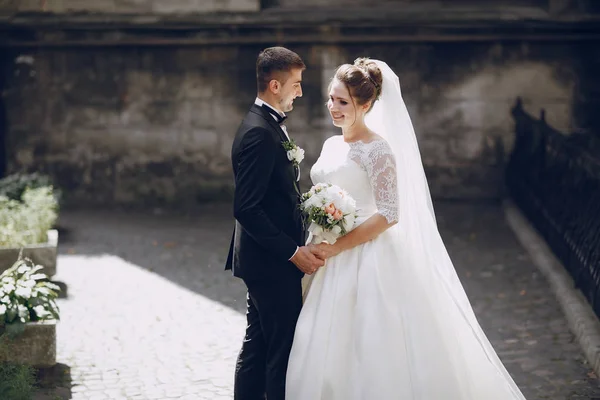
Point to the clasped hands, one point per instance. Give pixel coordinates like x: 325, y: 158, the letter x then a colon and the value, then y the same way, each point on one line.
x: 311, y: 257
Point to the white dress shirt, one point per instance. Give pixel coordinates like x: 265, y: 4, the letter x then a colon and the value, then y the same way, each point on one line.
x: 259, y: 102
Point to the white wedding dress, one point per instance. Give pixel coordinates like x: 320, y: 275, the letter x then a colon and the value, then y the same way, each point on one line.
x: 374, y: 326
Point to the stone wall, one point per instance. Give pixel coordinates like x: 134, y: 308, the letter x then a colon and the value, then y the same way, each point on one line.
x: 155, y: 125
x: 204, y: 6
x: 125, y: 126
x: 403, y: 3
x: 129, y: 6
x: 142, y: 109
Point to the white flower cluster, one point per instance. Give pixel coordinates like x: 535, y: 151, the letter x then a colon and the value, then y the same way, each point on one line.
x: 331, y: 210
x: 296, y: 155
x: 22, y: 289
x: 26, y: 295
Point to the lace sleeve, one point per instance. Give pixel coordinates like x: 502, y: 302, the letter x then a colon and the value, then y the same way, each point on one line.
x: 381, y: 168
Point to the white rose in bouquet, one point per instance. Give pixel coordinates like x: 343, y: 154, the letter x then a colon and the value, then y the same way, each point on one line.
x: 331, y: 211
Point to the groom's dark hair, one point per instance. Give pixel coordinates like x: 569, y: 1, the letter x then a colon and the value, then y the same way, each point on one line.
x: 275, y: 63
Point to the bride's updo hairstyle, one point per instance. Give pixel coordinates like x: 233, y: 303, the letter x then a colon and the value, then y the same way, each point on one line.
x: 363, y: 79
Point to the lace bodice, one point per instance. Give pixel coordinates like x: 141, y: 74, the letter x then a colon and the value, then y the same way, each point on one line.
x: 367, y: 171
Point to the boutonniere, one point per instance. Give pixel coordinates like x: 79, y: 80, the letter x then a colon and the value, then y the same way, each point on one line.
x: 295, y: 153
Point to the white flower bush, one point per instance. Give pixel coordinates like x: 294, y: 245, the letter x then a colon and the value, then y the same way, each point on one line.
x: 26, y: 295
x: 27, y: 221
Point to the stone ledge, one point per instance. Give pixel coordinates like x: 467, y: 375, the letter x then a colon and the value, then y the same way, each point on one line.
x: 411, y: 15
x: 582, y: 320
x: 105, y: 31
x: 132, y: 6
x: 293, y: 26
x: 36, y: 346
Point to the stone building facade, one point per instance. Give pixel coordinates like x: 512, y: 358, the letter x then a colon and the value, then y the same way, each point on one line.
x: 137, y: 101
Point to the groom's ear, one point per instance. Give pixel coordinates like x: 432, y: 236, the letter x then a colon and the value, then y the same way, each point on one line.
x: 274, y: 86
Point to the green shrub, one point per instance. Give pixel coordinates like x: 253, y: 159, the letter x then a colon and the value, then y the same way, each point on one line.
x: 27, y: 221
x: 13, y: 186
x: 16, y: 381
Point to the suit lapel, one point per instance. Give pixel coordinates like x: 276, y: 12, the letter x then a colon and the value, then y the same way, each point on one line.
x: 271, y: 121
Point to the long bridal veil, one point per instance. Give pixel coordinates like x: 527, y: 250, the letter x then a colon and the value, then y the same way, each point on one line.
x: 420, y: 246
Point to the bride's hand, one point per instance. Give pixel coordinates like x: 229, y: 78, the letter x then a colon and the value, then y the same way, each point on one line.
x: 324, y: 250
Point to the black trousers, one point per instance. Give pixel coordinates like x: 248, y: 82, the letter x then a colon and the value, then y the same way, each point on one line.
x: 273, y: 310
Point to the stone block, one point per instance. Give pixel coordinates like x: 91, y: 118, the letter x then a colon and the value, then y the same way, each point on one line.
x: 183, y: 6
x: 67, y: 6
x: 8, y: 6
x: 44, y: 254
x: 133, y: 6
x: 26, y: 5
x: 202, y: 6
x: 36, y: 346
x: 238, y: 5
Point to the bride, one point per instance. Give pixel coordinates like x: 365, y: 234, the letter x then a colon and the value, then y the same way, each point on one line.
x: 386, y: 317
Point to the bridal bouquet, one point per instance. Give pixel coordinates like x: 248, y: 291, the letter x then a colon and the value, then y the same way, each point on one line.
x: 331, y: 212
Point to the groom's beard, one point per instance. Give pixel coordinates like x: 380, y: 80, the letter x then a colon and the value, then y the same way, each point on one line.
x: 286, y: 106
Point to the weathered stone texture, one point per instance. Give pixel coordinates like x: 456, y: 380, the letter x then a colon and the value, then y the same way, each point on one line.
x: 36, y: 346
x: 124, y: 102
x: 130, y: 125
x: 401, y: 3
x: 129, y: 6
x: 156, y: 124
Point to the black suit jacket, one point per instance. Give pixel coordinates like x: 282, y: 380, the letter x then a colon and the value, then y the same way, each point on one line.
x: 268, y: 225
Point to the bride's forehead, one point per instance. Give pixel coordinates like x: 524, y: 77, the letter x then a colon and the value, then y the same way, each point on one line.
x: 338, y: 89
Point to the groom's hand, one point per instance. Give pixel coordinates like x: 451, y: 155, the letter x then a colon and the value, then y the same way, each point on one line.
x: 324, y: 250
x: 306, y: 261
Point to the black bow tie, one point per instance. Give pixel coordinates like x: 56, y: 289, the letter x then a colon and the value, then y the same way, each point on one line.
x: 274, y: 113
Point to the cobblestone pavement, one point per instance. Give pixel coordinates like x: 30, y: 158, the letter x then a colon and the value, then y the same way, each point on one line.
x: 150, y: 314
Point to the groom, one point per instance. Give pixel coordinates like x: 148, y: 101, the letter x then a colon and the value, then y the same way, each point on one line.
x: 266, y: 249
